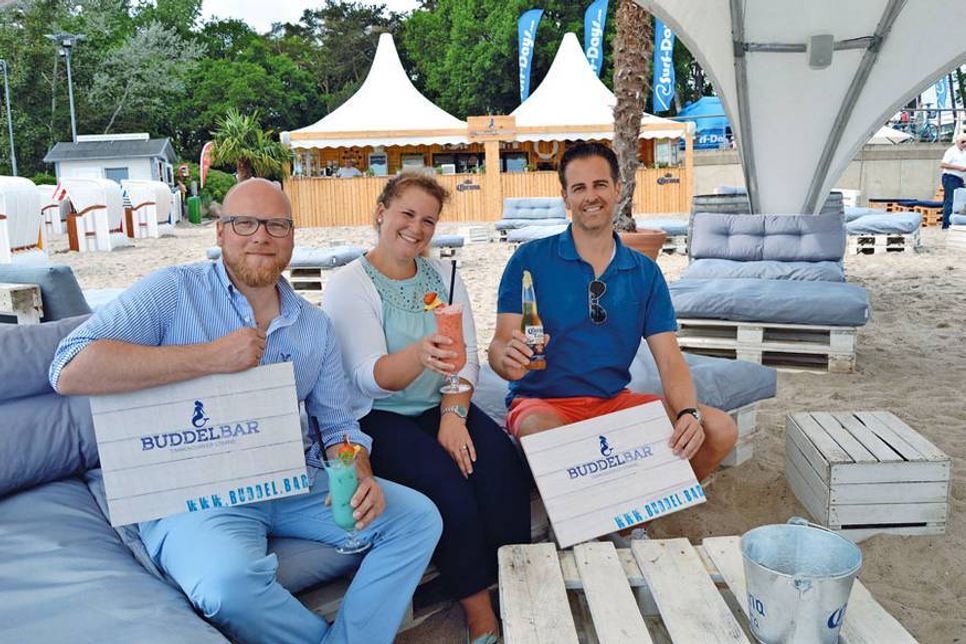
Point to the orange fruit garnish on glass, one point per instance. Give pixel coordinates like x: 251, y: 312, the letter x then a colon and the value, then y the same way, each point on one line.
x: 431, y: 301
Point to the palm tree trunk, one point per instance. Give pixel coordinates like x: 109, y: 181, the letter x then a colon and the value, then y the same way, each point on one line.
x: 632, y: 56
x: 243, y: 169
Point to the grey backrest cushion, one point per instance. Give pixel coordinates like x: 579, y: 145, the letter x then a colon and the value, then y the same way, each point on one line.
x: 534, y: 208
x: 959, y: 200
x: 787, y: 238
x: 61, y: 294
x: 43, y: 436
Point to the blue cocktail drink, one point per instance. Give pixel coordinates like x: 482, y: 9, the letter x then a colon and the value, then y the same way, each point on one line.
x: 343, y: 482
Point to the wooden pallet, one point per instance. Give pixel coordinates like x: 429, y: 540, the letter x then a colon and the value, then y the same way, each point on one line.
x: 675, y: 245
x: 866, y: 473
x: 657, y: 591
x: 477, y: 234
x: 930, y: 216
x: 877, y: 244
x: 744, y: 418
x: 789, y: 347
x: 956, y: 238
x: 307, y: 282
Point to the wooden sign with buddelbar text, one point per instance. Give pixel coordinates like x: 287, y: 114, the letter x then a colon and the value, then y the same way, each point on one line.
x: 216, y: 441
x: 609, y: 473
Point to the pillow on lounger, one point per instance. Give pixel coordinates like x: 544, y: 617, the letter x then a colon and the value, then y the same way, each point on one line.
x: 786, y: 238
x: 27, y: 350
x: 529, y: 233
x: 770, y: 270
x: 896, y: 223
x: 59, y: 291
x: 308, y: 257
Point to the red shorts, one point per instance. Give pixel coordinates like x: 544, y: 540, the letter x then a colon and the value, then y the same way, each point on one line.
x: 572, y: 410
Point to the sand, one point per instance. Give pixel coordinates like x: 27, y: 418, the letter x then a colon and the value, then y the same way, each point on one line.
x: 911, y: 361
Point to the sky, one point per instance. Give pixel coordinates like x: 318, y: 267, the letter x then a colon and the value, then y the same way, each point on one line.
x: 260, y: 14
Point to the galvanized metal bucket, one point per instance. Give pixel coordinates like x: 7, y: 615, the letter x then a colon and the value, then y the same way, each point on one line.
x: 799, y: 576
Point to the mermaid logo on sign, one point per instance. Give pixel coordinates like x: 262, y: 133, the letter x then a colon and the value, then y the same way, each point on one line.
x: 605, y: 449
x: 198, y: 419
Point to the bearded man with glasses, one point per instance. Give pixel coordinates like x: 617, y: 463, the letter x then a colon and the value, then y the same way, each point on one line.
x: 188, y: 321
x: 597, y: 298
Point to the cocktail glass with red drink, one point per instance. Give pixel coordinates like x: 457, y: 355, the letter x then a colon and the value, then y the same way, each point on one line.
x: 449, y: 322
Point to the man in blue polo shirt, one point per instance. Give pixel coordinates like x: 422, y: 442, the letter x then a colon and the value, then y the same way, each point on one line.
x: 188, y: 321
x: 597, y: 299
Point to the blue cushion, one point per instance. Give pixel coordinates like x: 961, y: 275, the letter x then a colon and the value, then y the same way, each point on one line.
x: 959, y: 200
x: 902, y: 223
x: 673, y: 227
x: 308, y: 257
x: 774, y: 301
x: 534, y: 208
x: 725, y: 384
x: 957, y: 220
x: 528, y: 233
x: 448, y: 241
x: 511, y: 224
x: 853, y: 212
x: 66, y: 576
x: 765, y: 269
x: 27, y: 350
x: 787, y: 238
x: 59, y: 290
x: 730, y: 190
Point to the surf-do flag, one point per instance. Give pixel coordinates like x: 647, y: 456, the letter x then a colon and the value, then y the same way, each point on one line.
x: 205, y: 162
x: 663, y: 67
x: 594, y: 20
x: 942, y: 91
x: 527, y: 34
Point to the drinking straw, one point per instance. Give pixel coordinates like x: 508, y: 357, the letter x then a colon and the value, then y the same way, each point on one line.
x: 452, y: 280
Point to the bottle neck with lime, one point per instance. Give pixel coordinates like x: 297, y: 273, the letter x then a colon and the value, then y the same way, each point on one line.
x: 531, y: 325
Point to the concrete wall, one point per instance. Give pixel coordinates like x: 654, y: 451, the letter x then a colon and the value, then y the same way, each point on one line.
x: 908, y: 171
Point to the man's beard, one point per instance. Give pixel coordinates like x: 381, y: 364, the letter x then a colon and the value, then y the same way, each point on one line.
x: 256, y: 277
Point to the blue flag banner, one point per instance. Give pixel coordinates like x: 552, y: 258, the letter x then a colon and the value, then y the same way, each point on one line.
x: 594, y: 20
x: 663, y: 67
x: 527, y: 33
x: 942, y: 91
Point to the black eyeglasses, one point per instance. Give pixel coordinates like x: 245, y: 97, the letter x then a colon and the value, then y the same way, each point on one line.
x: 595, y: 291
x: 246, y: 226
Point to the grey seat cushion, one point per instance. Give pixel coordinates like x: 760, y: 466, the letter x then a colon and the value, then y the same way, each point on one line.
x: 511, y: 224
x: 957, y: 220
x: 902, y: 223
x: 774, y: 301
x: 765, y: 269
x: 787, y: 238
x: 310, y: 257
x: 534, y: 208
x: 448, y: 241
x: 528, y: 233
x: 673, y: 227
x: 725, y: 384
x: 959, y: 201
x: 59, y: 290
x: 65, y: 575
x: 27, y: 351
x: 854, y: 212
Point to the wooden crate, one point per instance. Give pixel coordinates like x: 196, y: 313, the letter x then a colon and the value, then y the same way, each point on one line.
x: 956, y: 238
x: 22, y: 301
x: 744, y: 418
x: 477, y: 234
x: 865, y: 473
x: 930, y: 216
x: 307, y: 282
x: 789, y: 347
x: 890, y: 243
x: 657, y: 591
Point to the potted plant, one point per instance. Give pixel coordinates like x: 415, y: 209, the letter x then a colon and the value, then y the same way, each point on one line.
x: 632, y: 55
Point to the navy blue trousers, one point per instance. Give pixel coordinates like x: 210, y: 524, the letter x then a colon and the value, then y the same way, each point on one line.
x: 950, y: 183
x: 480, y: 514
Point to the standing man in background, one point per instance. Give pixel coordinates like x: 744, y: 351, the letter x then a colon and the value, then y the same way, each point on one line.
x: 954, y: 172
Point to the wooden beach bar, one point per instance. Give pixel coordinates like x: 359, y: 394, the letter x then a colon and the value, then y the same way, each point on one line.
x: 388, y: 126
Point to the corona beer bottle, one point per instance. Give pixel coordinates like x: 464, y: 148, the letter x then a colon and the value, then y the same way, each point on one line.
x: 532, y: 326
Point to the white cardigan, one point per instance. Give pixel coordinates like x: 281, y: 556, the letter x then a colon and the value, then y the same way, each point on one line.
x: 353, y: 304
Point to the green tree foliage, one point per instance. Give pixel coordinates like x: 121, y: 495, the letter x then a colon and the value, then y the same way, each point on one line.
x: 464, y: 53
x: 240, y: 141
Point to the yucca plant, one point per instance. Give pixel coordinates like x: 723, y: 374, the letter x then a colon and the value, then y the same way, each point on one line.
x: 241, y: 141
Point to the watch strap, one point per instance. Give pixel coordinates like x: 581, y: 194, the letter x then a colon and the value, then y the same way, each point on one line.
x: 689, y: 410
x: 459, y: 410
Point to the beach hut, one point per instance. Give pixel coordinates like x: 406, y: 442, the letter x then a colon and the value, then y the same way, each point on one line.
x: 150, y: 211
x: 95, y: 220
x: 21, y: 232
x: 114, y: 156
x: 572, y: 104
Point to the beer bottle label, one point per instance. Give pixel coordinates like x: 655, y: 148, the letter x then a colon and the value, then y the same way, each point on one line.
x: 534, y: 334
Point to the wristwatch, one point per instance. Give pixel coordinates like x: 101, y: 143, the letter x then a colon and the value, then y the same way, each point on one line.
x: 694, y: 412
x: 459, y: 410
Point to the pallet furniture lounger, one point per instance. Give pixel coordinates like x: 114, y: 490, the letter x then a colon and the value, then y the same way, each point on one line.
x: 956, y: 234
x: 519, y: 212
x: 658, y: 590
x: 675, y: 229
x: 884, y: 232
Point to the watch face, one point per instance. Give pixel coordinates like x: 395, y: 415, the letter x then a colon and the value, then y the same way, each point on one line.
x: 461, y: 411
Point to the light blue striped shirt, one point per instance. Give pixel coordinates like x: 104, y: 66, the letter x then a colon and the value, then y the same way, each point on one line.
x: 197, y: 303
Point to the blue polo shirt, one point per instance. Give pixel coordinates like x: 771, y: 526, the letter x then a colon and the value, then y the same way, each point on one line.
x: 583, y: 358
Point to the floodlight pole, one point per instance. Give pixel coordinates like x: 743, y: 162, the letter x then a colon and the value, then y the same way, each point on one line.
x: 6, y: 91
x: 66, y: 43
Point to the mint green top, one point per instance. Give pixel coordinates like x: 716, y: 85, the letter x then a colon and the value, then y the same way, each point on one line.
x: 405, y: 321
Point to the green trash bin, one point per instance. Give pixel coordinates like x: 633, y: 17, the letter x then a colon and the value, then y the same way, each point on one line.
x: 194, y: 210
